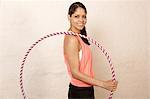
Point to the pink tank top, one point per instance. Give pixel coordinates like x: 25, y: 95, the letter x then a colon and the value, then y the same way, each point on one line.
x: 85, y: 65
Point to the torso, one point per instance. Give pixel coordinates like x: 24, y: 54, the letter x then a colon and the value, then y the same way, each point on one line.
x: 85, y: 62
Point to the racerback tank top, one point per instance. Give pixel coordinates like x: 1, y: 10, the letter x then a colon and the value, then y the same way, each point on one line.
x: 85, y: 64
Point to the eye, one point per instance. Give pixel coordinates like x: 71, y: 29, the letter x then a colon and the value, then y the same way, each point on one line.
x: 77, y: 16
x: 84, y: 17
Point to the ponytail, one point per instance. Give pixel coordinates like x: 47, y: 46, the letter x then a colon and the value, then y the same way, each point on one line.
x: 85, y: 40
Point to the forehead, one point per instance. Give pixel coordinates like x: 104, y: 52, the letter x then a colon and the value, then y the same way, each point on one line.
x: 79, y: 11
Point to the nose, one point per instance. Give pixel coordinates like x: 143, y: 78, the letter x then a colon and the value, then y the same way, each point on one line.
x: 81, y: 19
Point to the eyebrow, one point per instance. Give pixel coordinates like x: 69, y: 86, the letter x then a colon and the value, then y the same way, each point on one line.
x: 79, y: 14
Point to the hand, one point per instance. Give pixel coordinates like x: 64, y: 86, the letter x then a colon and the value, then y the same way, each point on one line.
x: 110, y: 85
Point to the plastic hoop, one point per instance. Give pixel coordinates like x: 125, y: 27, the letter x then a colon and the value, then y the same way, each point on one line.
x: 66, y: 33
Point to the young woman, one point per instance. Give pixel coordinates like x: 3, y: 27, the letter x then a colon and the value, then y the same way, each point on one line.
x: 78, y: 58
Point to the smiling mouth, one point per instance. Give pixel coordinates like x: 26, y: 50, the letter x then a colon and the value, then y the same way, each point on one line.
x: 81, y: 24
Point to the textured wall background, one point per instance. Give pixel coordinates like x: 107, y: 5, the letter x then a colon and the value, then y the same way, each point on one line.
x: 122, y: 26
x: 148, y: 48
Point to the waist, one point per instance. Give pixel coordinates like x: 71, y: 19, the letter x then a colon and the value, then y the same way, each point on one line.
x: 80, y: 88
x: 79, y: 83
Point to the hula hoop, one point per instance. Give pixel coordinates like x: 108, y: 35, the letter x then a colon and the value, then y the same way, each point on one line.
x: 105, y: 53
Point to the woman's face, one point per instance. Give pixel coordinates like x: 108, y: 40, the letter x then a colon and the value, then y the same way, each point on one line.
x: 78, y: 19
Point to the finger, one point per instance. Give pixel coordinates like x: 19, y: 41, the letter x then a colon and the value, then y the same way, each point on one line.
x: 115, y: 81
x: 116, y: 84
x: 110, y: 80
x: 114, y: 88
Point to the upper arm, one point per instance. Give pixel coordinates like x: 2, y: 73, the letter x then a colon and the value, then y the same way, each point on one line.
x: 71, y: 52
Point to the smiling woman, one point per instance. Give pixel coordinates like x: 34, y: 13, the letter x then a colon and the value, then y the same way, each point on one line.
x: 80, y: 71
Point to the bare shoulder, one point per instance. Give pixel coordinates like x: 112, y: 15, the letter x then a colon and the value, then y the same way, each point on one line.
x: 71, y: 44
x: 70, y: 39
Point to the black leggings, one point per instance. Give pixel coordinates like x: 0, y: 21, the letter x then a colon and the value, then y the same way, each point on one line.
x: 80, y: 92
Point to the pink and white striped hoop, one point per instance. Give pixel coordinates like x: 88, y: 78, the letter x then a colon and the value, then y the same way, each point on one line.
x: 105, y: 53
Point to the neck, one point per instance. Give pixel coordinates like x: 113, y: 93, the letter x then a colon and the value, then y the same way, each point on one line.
x: 74, y: 30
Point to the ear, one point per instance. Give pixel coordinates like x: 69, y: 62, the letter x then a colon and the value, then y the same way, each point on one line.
x: 68, y: 17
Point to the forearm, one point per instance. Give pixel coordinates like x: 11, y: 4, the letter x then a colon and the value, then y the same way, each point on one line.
x: 85, y: 78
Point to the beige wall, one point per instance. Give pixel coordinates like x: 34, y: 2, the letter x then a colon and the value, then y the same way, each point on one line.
x: 148, y: 47
x: 121, y: 26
